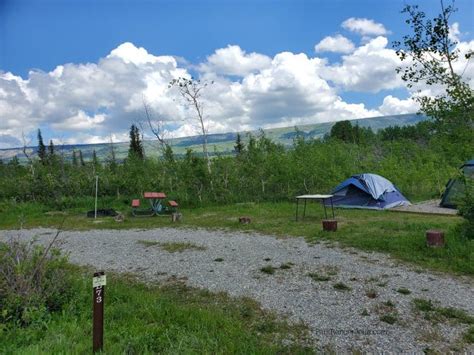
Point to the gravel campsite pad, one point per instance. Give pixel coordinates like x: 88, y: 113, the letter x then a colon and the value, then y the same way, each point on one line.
x: 351, y: 300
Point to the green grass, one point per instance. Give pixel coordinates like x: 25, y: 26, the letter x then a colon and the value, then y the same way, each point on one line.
x: 404, y: 291
x: 468, y: 336
x: 172, y: 247
x: 389, y: 318
x: 441, y: 314
x: 400, y: 235
x: 341, y: 286
x: 270, y: 270
x: 142, y: 318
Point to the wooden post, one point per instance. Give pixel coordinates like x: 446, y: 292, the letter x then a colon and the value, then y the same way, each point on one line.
x: 98, y: 287
x: 434, y: 238
x: 330, y: 225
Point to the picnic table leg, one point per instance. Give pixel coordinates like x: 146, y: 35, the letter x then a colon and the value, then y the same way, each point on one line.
x: 325, y: 212
x: 304, y: 210
x: 332, y: 208
x: 297, y: 203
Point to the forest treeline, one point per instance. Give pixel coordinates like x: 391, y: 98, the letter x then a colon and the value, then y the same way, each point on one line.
x: 414, y: 158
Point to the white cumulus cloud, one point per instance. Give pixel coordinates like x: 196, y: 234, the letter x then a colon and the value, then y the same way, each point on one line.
x: 338, y: 44
x: 364, y: 26
x: 232, y: 60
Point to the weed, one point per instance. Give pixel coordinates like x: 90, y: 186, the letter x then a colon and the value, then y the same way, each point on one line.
x: 423, y: 305
x: 147, y: 243
x: 389, y: 304
x: 341, y: 287
x: 268, y: 270
x: 468, y: 336
x: 286, y: 266
x: 441, y: 313
x: 390, y: 318
x: 318, y: 277
x: 171, y: 247
x: 404, y: 291
x: 219, y: 260
x: 364, y: 312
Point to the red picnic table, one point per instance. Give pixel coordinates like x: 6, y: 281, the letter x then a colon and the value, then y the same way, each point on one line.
x: 157, y: 205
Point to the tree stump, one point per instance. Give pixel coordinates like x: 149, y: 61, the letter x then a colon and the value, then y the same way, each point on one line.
x: 329, y: 225
x: 434, y: 238
x: 176, y: 217
x: 244, y: 220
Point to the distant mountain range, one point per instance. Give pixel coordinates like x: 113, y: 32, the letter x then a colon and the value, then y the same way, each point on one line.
x: 219, y: 143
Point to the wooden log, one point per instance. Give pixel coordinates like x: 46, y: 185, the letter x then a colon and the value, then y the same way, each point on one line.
x: 434, y: 238
x: 329, y: 225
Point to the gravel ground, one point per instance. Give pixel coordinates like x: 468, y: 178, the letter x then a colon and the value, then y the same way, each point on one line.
x: 335, y: 317
x: 427, y: 207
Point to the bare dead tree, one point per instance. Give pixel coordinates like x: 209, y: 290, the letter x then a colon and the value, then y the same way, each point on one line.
x: 191, y: 91
x: 25, y: 152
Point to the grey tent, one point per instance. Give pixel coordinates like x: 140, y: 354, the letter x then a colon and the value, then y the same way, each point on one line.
x: 455, y: 187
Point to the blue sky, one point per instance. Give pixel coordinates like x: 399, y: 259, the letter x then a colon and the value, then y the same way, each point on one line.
x: 43, y: 34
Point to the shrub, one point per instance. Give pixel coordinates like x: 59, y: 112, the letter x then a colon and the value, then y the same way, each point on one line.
x: 33, y: 281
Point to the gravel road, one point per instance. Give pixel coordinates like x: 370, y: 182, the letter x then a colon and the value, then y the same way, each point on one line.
x: 340, y: 320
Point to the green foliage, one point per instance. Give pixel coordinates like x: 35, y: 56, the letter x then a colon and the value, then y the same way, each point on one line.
x: 135, y: 150
x: 346, y: 132
x: 432, y: 54
x: 34, y: 282
x: 466, y: 210
x: 41, y: 148
x: 144, y: 318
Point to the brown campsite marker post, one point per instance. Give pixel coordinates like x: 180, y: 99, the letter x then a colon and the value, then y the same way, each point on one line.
x: 434, y: 238
x: 98, y: 286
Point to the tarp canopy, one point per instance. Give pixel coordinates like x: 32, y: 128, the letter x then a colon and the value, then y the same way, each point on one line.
x: 368, y: 191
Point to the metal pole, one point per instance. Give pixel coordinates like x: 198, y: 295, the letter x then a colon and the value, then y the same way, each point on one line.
x: 96, y: 189
x: 297, y: 203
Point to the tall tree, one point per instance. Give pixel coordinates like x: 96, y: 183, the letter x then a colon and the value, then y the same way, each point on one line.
x: 81, y: 158
x: 51, y: 150
x: 431, y: 52
x: 74, y: 158
x: 41, y: 148
x: 239, y: 145
x: 135, y: 149
x: 191, y: 91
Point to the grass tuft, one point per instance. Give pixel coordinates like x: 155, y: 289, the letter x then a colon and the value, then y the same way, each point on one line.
x: 390, y: 318
x: 270, y: 270
x: 341, y: 287
x: 171, y: 247
x: 318, y: 277
x: 468, y: 336
x: 404, y: 291
x: 286, y: 266
x: 440, y: 314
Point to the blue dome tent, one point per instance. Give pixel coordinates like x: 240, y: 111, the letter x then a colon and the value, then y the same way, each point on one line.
x: 368, y: 191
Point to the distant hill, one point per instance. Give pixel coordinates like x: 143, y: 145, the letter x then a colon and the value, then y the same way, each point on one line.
x: 219, y: 143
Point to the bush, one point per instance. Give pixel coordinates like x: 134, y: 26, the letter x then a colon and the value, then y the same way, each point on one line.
x: 33, y: 282
x: 466, y: 210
